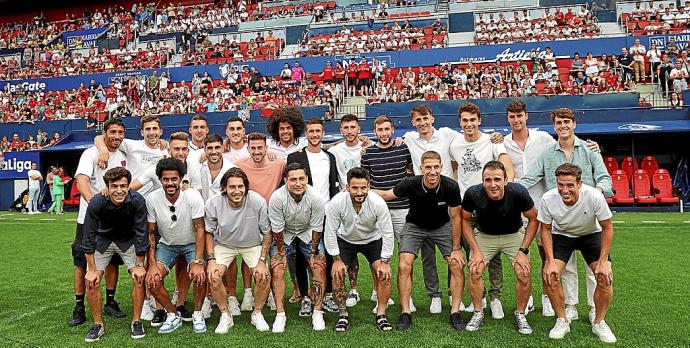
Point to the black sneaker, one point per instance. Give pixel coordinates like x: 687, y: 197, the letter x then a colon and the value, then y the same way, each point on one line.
x: 113, y: 309
x: 184, y: 313
x: 330, y: 305
x: 78, y: 316
x: 307, y: 308
x: 159, y: 318
x: 456, y: 321
x: 94, y: 333
x: 138, y: 330
x: 404, y: 322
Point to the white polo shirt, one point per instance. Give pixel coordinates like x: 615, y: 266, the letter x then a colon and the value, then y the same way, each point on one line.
x: 440, y: 142
x: 524, y: 160
x: 578, y: 220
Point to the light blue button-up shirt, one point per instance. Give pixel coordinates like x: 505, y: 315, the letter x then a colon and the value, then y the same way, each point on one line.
x: 594, y: 171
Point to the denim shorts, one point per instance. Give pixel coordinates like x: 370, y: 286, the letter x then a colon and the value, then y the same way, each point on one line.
x: 167, y: 255
x: 305, y: 249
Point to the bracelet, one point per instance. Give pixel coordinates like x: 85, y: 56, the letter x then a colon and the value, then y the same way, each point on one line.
x: 210, y: 258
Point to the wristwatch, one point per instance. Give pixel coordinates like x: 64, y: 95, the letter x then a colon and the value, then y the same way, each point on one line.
x: 139, y: 264
x: 199, y: 261
x: 262, y: 258
x: 385, y: 260
x: 524, y: 250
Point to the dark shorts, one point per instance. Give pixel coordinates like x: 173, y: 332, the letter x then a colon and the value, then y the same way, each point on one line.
x: 364, y: 82
x: 349, y: 251
x: 78, y: 257
x: 351, y: 81
x: 339, y: 80
x: 589, y: 246
x: 413, y: 237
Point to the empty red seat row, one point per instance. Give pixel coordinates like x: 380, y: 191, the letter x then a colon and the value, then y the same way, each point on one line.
x: 630, y: 165
x: 658, y: 189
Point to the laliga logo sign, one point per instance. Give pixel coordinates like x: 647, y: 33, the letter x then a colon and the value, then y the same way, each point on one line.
x: 14, y: 165
x: 27, y: 86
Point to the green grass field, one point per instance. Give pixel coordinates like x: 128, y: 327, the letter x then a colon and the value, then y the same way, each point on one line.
x: 650, y: 305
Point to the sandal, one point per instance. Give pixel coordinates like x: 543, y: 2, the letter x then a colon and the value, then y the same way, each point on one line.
x: 343, y: 324
x: 382, y: 323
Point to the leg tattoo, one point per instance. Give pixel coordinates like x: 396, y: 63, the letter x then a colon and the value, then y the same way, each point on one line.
x: 352, y: 271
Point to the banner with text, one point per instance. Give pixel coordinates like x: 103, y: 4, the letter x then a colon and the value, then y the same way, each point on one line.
x: 88, y: 36
x: 15, y: 165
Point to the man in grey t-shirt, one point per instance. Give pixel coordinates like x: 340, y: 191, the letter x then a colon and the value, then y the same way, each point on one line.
x: 237, y: 224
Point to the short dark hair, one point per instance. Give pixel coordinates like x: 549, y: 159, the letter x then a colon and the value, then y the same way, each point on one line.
x: 421, y: 109
x: 562, y: 113
x: 199, y: 117
x: 183, y: 136
x: 213, y: 138
x: 315, y: 121
x: 294, y: 166
x: 516, y: 106
x: 493, y: 165
x: 357, y: 173
x: 149, y: 118
x: 566, y: 169
x: 430, y: 155
x: 471, y: 109
x: 113, y: 122
x: 256, y: 136
x: 349, y: 118
x: 382, y: 119
x: 233, y: 119
x: 234, y: 172
x: 170, y: 164
x: 115, y: 174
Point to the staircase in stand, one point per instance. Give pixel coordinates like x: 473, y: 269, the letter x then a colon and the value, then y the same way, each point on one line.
x: 353, y: 105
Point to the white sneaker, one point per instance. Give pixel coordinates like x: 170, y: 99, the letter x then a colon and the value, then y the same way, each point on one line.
x: 146, y: 311
x: 497, y: 309
x: 571, y: 313
x: 259, y: 322
x: 412, y: 307
x: 530, y: 305
x: 175, y: 296
x: 522, y: 324
x: 352, y: 298
x: 234, y: 306
x: 546, y: 309
x: 475, y: 322
x: 470, y: 307
x: 271, y: 302
x: 317, y: 322
x: 247, y: 301
x: 435, y: 306
x: 225, y: 323
x: 592, y: 315
x: 375, y: 298
x: 559, y: 330
x: 206, y: 308
x: 172, y: 323
x: 604, y: 332
x: 198, y: 322
x: 279, y: 323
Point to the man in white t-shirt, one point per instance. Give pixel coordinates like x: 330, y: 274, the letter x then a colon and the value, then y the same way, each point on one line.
x: 470, y: 152
x: 35, y: 178
x: 235, y: 146
x: 178, y: 148
x: 178, y: 217
x: 198, y: 129
x: 348, y: 154
x: 576, y: 217
x: 639, y: 52
x: 90, y: 182
x: 141, y: 154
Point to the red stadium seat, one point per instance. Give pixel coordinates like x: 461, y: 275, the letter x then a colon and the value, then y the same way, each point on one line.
x: 642, y: 188
x: 621, y: 188
x: 611, y: 164
x: 629, y: 165
x: 649, y: 164
x: 663, y: 188
x: 74, y: 196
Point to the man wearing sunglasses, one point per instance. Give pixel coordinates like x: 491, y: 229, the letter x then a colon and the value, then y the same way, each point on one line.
x: 178, y: 216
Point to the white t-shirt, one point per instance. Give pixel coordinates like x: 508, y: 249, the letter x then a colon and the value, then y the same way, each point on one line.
x: 210, y: 188
x: 471, y: 158
x: 236, y: 155
x: 141, y: 157
x: 150, y: 177
x: 578, y: 220
x: 346, y: 158
x: 283, y: 152
x: 525, y: 160
x: 189, y: 205
x: 320, y: 167
x: 34, y: 184
x: 439, y: 142
x: 88, y: 165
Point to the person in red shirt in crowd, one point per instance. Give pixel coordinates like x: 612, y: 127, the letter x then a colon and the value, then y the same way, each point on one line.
x: 569, y: 15
x: 339, y: 73
x: 559, y: 17
x: 16, y: 144
x: 55, y: 139
x: 364, y: 77
x: 328, y: 73
x: 246, y: 74
x: 352, y: 69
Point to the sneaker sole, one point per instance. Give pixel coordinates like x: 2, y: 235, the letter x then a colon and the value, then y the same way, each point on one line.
x: 173, y: 329
x: 524, y: 332
x: 156, y: 324
x: 136, y: 337
x: 199, y: 331
x: 187, y: 320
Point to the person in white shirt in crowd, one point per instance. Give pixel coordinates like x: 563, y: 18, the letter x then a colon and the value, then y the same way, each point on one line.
x: 35, y: 179
x: 237, y: 224
x: 574, y: 217
x: 639, y: 52
x: 357, y: 222
x: 178, y: 217
x: 296, y: 212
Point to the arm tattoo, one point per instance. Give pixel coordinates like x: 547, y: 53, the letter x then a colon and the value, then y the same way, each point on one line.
x: 266, y: 244
x: 315, y: 240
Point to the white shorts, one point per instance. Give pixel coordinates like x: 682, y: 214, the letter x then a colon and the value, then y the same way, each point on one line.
x: 225, y: 256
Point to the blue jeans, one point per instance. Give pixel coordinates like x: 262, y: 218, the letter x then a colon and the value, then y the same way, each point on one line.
x: 290, y: 256
x: 167, y: 255
x: 33, y: 199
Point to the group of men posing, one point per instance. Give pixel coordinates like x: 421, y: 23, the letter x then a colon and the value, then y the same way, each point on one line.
x: 291, y: 202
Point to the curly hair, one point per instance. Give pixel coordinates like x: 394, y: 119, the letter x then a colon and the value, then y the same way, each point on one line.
x: 289, y: 114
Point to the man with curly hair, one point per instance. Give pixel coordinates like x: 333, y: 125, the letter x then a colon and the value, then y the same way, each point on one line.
x: 286, y: 128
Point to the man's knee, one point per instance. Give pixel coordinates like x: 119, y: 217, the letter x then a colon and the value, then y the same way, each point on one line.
x: 404, y: 266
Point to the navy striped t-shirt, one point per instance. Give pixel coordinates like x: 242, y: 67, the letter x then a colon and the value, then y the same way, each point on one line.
x: 387, y: 167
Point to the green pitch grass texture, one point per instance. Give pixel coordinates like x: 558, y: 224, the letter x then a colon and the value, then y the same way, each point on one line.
x: 650, y: 306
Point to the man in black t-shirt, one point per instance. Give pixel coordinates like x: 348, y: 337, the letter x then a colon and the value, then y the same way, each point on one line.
x: 499, y: 206
x: 434, y: 216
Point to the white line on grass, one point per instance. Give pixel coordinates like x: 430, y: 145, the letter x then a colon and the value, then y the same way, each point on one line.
x: 653, y: 222
x: 47, y: 219
x: 21, y: 219
x: 70, y: 219
x: 619, y: 222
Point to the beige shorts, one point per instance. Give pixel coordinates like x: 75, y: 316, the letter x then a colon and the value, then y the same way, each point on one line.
x: 225, y: 256
x: 129, y: 257
x: 537, y: 237
x: 491, y: 245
